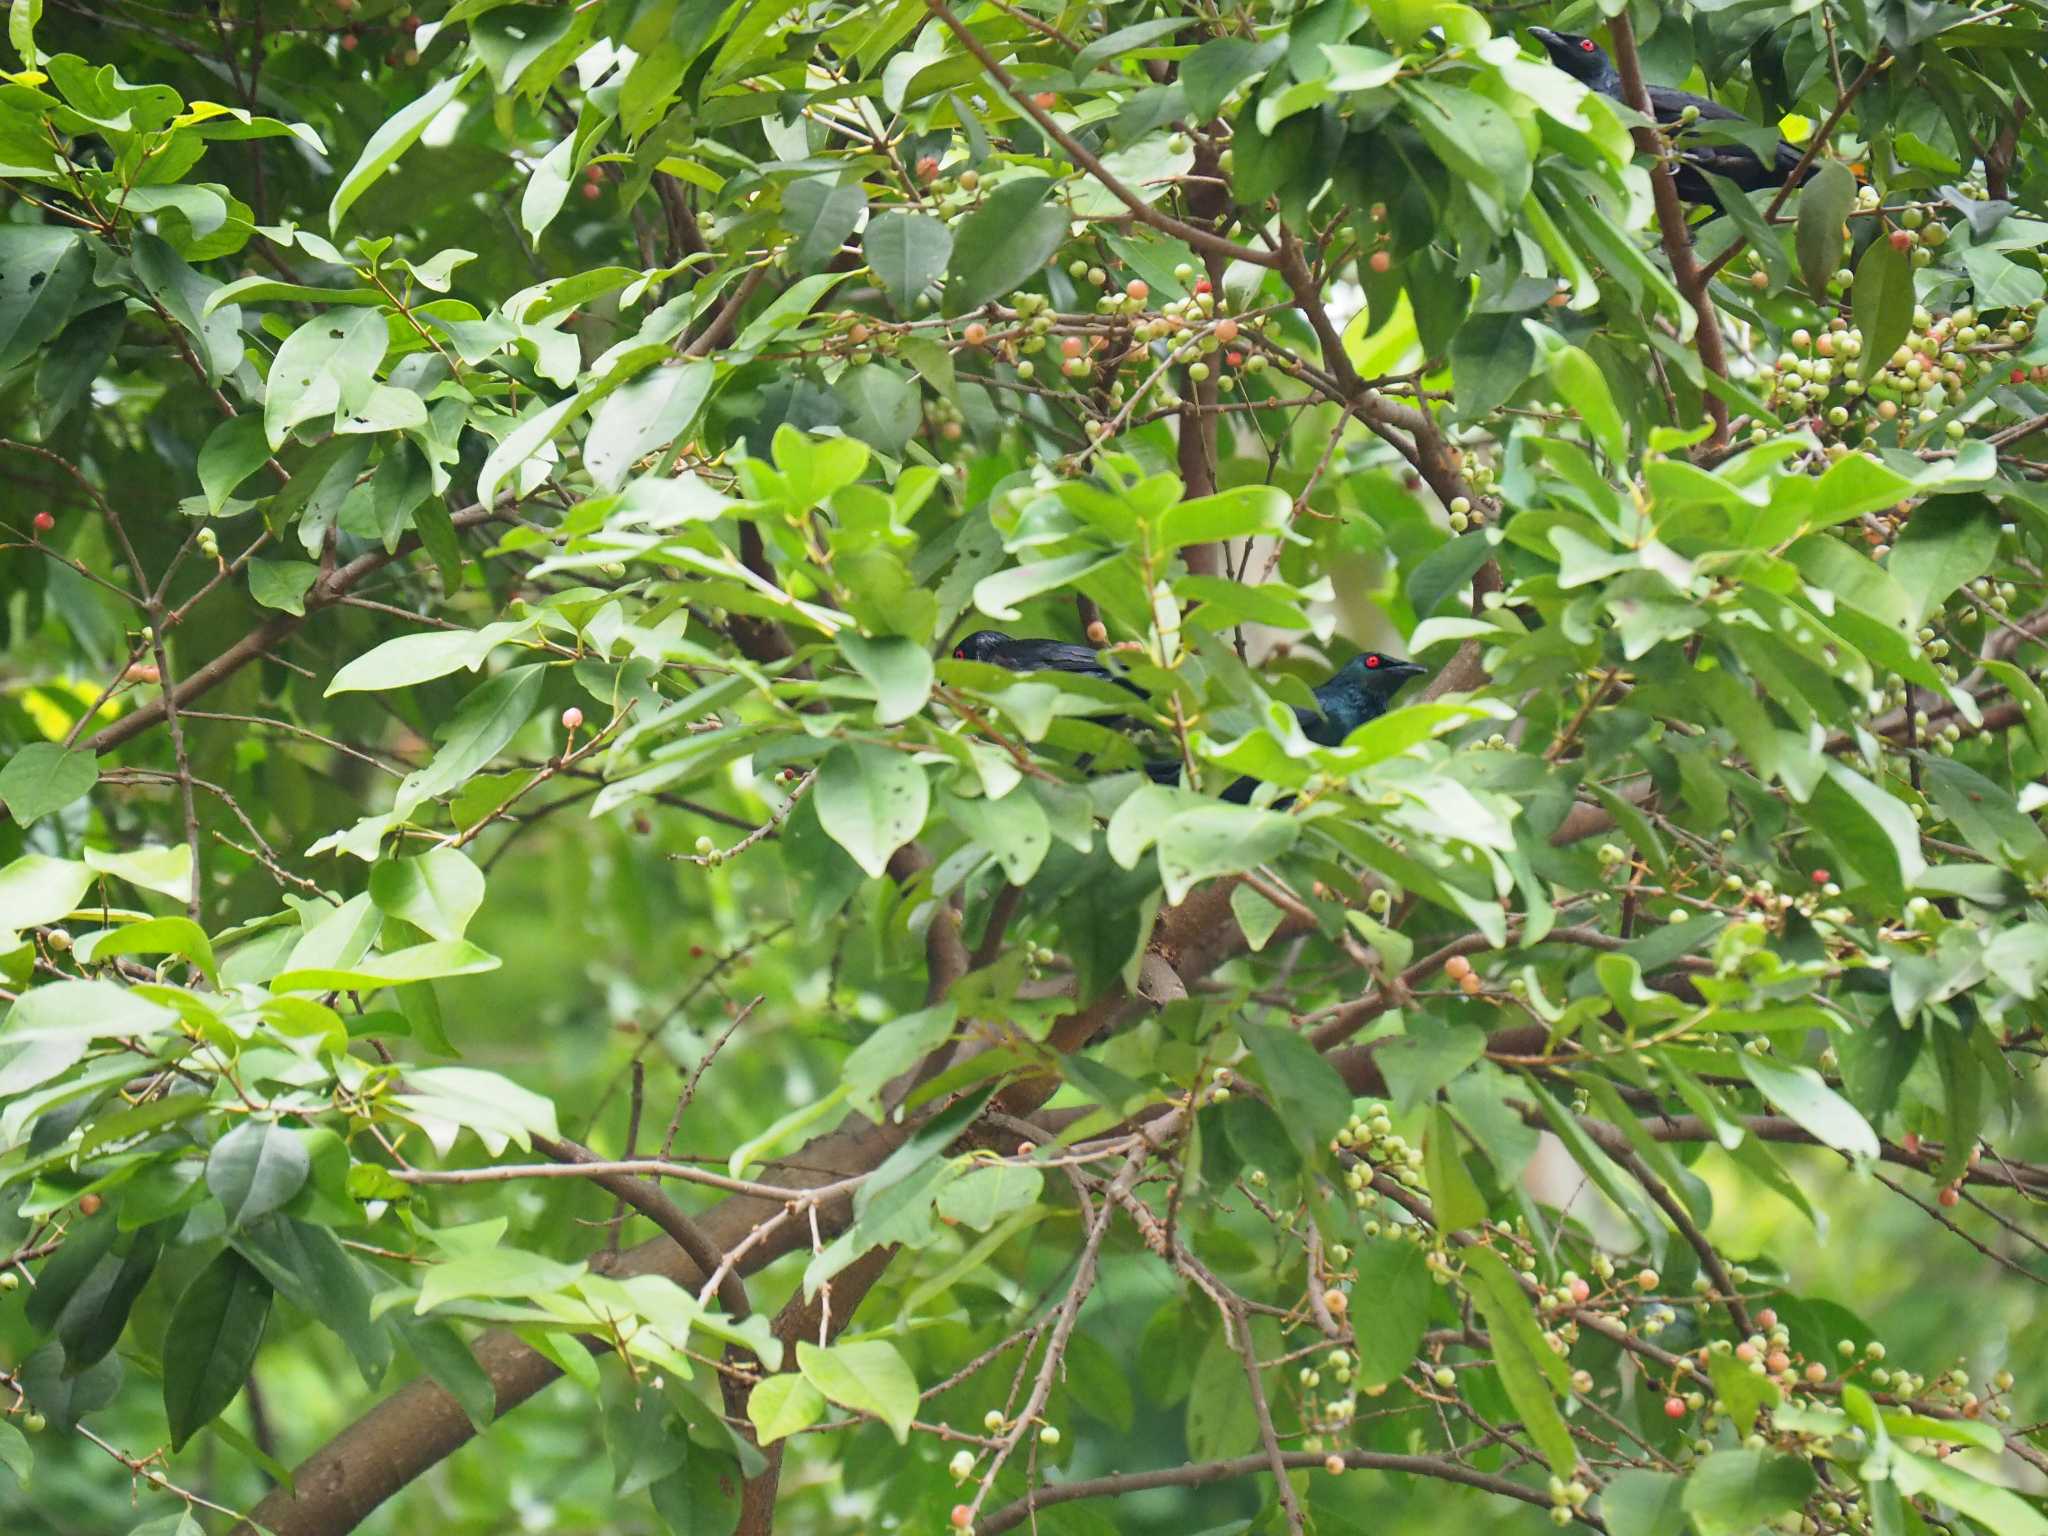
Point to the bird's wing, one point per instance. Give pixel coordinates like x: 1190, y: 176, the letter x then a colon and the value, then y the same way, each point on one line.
x: 1668, y: 105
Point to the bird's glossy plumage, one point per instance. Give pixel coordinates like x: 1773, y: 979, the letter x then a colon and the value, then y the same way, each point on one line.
x: 1035, y: 655
x: 1585, y: 61
x: 1355, y: 693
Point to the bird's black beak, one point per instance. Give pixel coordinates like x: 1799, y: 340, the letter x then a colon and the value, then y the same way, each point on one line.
x: 1407, y: 669
x: 1551, y: 42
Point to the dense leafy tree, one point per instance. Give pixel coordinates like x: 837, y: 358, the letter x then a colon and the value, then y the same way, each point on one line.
x: 511, y: 872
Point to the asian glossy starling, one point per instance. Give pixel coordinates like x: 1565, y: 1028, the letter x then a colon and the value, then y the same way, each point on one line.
x: 1585, y: 61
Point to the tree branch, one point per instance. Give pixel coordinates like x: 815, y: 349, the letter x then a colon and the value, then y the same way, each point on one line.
x: 1685, y: 269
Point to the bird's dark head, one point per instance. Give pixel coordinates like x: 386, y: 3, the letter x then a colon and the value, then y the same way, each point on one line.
x: 1377, y: 674
x: 1579, y: 57
x: 980, y: 646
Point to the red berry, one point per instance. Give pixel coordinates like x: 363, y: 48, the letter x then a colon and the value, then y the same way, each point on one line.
x: 348, y: 42
x: 1901, y: 241
x: 1379, y: 261
x: 2017, y: 376
x: 927, y: 167
x: 1949, y: 1197
x: 1137, y: 288
x: 89, y: 1205
x: 1071, y: 346
x: 1045, y: 100
x: 572, y: 718
x: 592, y: 191
x: 1235, y: 359
x: 1674, y: 1407
x: 1821, y: 877
x: 45, y: 522
x: 962, y: 1516
x: 1202, y: 285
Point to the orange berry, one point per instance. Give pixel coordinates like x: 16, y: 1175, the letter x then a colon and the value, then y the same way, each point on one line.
x: 976, y: 333
x: 1098, y: 633
x: 1226, y: 330
x: 1380, y: 261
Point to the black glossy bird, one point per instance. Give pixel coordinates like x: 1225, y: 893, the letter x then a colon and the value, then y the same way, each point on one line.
x: 1356, y: 692
x: 1033, y: 655
x: 1583, y: 59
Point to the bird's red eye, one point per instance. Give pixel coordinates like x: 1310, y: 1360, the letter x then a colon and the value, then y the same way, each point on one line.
x: 959, y: 653
x: 1372, y: 661
x: 1586, y: 45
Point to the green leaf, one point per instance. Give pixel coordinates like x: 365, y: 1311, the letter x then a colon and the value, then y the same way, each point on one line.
x: 822, y: 213
x: 1218, y: 67
x: 1874, y: 832
x: 1824, y: 203
x: 1015, y: 829
x: 43, y: 269
x: 871, y: 801
x: 1395, y: 1278
x: 908, y: 253
x: 36, y: 889
x: 325, y: 366
x: 282, y: 584
x: 1744, y: 1391
x: 1947, y: 541
x: 52, y: 1026
x: 1305, y: 1089
x: 166, y: 868
x: 211, y: 1342
x: 493, y: 1274
x: 419, y: 658
x: 1532, y: 1374
x: 393, y: 139
x: 1221, y: 1421
x: 445, y: 1100
x: 438, y: 892
x: 783, y: 1404
x: 309, y: 1267
x: 1882, y: 299
x: 255, y: 1169
x: 1731, y: 1493
x: 1998, y: 1510
x: 1452, y: 1193
x: 883, y: 406
x: 527, y: 438
x: 983, y: 1196
x: 157, y: 936
x: 45, y: 776
x: 1637, y: 1503
x: 891, y: 1050
x: 1219, y: 839
x: 1003, y: 244
x: 867, y: 1377
x: 15, y: 1454
x: 1801, y: 1093
x: 422, y: 962
x: 639, y: 417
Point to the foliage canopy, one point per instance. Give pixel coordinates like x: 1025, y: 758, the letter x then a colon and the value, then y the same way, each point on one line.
x: 505, y: 877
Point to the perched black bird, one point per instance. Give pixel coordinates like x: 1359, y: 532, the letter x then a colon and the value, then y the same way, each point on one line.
x: 1582, y: 59
x: 1356, y: 692
x: 1032, y: 655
